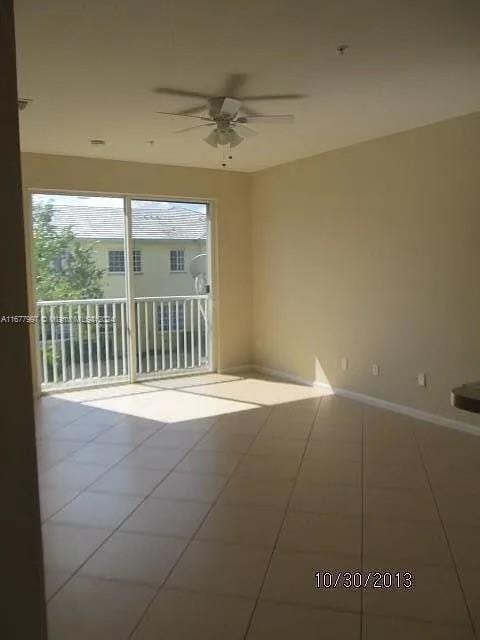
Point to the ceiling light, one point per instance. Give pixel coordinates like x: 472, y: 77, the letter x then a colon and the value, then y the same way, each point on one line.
x: 97, y: 141
x: 235, y: 139
x: 211, y: 139
x: 223, y: 138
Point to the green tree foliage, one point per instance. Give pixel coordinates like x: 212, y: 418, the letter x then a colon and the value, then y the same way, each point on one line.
x: 65, y: 268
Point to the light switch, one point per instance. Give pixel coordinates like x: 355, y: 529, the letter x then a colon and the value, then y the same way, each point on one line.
x: 422, y: 380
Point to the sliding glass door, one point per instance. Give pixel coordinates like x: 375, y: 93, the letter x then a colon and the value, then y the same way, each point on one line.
x: 123, y: 288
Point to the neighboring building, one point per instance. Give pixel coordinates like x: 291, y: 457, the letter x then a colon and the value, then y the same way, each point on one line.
x: 167, y: 236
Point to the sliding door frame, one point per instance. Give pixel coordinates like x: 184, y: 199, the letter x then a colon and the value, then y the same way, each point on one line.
x: 212, y: 274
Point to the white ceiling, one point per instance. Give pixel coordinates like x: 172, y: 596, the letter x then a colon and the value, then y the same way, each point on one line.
x: 90, y: 67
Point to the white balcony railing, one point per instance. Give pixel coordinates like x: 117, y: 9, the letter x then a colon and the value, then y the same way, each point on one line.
x: 85, y: 342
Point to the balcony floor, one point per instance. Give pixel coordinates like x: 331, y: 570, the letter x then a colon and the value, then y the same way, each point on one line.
x: 202, y: 507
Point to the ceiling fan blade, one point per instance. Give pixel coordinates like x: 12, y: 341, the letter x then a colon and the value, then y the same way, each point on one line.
x: 197, y: 109
x: 245, y: 131
x: 280, y: 119
x: 197, y: 126
x: 234, y: 84
x: 166, y: 91
x: 247, y: 111
x: 182, y: 115
x: 280, y: 96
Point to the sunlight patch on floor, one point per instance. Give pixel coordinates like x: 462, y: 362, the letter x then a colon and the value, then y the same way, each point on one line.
x: 169, y: 405
x: 259, y: 391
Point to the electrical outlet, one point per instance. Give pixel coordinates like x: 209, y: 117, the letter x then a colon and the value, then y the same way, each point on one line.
x: 375, y: 370
x: 422, y: 379
x: 344, y: 363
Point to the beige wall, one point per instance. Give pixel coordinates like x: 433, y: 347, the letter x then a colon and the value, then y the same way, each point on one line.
x: 230, y: 193
x: 373, y: 252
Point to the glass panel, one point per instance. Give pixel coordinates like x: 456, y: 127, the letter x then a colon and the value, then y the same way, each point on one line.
x: 79, y: 263
x: 170, y: 244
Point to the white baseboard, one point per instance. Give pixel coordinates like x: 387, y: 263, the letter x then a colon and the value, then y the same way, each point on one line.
x: 283, y: 375
x: 409, y: 411
x: 238, y: 369
x: 459, y: 425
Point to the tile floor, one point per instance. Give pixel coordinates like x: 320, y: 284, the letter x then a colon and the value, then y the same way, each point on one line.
x: 202, y: 508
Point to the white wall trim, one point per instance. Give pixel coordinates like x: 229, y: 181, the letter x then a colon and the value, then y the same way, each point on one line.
x: 283, y: 375
x: 376, y: 402
x: 238, y: 369
x: 409, y: 411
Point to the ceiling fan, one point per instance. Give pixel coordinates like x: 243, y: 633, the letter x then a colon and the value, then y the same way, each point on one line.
x: 228, y: 113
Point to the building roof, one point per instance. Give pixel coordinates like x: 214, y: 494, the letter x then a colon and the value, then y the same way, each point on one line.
x: 150, y: 221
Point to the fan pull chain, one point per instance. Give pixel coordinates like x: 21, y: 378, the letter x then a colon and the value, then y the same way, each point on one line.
x: 224, y: 156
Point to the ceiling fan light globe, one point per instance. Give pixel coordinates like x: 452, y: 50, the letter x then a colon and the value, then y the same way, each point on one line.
x: 235, y: 139
x: 223, y: 138
x: 212, y: 139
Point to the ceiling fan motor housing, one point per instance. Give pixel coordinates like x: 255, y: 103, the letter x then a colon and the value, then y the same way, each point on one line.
x: 223, y: 106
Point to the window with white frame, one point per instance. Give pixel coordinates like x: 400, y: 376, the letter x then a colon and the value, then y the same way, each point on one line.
x: 173, y: 317
x: 116, y: 261
x: 177, y: 260
x: 137, y: 261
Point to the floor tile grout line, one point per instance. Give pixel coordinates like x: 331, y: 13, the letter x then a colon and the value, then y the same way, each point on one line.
x: 140, y: 392
x: 116, y: 424
x: 275, y: 544
x: 192, y: 537
x: 226, y: 484
x: 99, y: 464
x: 269, y: 408
x: 143, y: 383
x: 257, y: 405
x: 102, y: 433
x: 109, y: 427
x: 60, y: 426
x: 152, y: 389
x: 445, y: 624
x: 442, y: 523
x: 192, y: 386
x: 84, y: 442
x: 133, y: 511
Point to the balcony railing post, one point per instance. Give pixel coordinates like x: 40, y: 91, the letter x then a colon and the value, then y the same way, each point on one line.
x: 80, y: 340
x: 170, y: 357
x: 89, y: 341
x: 114, y: 325
x: 53, y: 342
x: 162, y: 331
x: 155, y: 346
x: 147, y: 337
x: 44, y: 345
x: 107, y: 342
x: 131, y: 325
